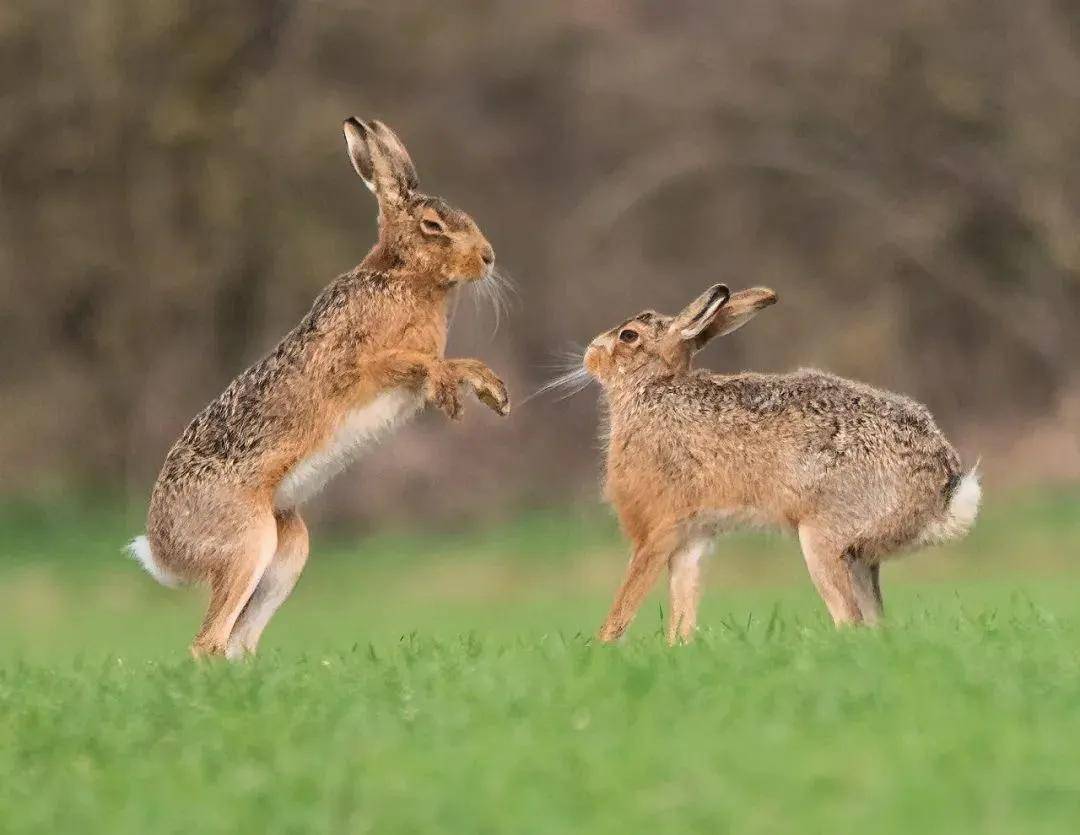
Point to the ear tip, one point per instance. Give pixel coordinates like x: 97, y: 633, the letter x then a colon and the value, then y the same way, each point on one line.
x: 352, y: 127
x: 718, y: 292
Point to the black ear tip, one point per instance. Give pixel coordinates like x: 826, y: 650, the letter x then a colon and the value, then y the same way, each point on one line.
x: 719, y: 292
x: 356, y: 125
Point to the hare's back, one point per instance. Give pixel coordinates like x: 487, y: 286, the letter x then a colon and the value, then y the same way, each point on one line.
x: 266, y: 405
x: 811, y: 411
x: 812, y: 396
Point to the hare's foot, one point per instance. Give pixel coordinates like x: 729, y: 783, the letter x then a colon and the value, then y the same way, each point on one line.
x: 441, y: 390
x: 484, y: 382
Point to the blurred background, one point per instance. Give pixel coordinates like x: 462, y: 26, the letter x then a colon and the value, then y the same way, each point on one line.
x: 174, y: 192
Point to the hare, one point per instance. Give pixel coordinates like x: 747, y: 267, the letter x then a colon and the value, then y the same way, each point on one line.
x: 859, y: 473
x: 369, y: 354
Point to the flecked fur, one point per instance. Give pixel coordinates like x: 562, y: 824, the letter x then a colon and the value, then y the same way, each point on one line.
x: 378, y: 331
x: 860, y: 473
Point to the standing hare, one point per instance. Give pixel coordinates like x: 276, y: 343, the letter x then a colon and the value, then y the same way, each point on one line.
x: 860, y: 473
x: 369, y: 354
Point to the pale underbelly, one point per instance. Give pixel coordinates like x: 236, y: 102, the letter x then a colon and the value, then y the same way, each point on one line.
x: 358, y: 430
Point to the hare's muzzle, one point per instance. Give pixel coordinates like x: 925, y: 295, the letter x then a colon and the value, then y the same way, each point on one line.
x: 593, y: 355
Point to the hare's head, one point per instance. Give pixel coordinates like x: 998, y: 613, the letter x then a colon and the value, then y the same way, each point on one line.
x: 652, y: 343
x: 424, y: 235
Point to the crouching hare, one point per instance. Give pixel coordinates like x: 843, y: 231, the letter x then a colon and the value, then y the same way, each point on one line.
x: 369, y: 354
x: 859, y: 473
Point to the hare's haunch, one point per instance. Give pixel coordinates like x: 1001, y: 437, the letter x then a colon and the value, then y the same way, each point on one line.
x: 369, y: 354
x: 860, y: 473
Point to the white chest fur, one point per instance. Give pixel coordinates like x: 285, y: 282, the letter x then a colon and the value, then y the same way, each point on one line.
x: 358, y: 429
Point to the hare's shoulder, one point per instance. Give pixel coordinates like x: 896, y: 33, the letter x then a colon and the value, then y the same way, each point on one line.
x: 348, y: 310
x: 353, y: 299
x: 232, y: 426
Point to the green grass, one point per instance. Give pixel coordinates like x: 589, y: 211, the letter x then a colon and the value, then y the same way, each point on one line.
x: 447, y: 683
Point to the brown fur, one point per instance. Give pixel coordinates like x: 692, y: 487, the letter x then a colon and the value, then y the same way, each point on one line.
x: 379, y: 328
x: 860, y: 473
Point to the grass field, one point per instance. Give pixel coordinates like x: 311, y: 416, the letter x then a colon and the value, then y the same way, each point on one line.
x: 447, y: 683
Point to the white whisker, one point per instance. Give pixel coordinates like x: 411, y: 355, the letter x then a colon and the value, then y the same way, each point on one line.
x: 455, y: 300
x: 496, y: 290
x: 575, y: 380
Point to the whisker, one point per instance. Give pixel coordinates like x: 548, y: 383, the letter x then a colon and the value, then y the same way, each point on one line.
x: 455, y: 300
x: 573, y: 381
x: 481, y: 291
x: 496, y: 290
x: 505, y: 281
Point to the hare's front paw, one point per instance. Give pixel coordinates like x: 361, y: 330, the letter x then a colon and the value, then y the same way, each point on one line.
x: 442, y: 391
x: 488, y: 387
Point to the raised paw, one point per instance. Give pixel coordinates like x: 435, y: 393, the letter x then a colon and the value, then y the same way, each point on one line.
x: 442, y: 391
x: 489, y: 389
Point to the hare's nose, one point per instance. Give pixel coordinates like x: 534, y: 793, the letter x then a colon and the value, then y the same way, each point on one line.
x: 487, y: 255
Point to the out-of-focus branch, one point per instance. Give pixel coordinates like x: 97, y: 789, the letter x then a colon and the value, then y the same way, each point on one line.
x: 640, y: 179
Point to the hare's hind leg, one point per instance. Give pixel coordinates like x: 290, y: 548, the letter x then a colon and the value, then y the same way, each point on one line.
x: 866, y: 584
x: 875, y: 580
x: 830, y: 573
x: 233, y: 579
x: 684, y: 592
x: 645, y: 566
x: 275, y: 585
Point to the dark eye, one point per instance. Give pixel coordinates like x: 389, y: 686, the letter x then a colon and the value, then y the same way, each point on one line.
x: 432, y: 226
x: 628, y: 336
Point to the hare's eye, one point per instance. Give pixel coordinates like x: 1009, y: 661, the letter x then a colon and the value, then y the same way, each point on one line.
x: 431, y: 226
x: 628, y: 336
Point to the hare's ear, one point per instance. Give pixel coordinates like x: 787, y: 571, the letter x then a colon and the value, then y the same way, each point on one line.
x: 717, y: 311
x: 381, y: 161
x: 700, y: 313
x: 741, y: 307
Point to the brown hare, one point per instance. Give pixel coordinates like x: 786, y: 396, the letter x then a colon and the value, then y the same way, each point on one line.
x: 859, y: 473
x: 369, y: 354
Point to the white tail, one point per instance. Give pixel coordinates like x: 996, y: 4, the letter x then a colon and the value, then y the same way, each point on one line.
x: 961, y: 512
x: 139, y: 549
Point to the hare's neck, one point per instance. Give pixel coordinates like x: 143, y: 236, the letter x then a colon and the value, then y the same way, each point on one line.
x: 417, y: 268
x: 383, y: 258
x: 626, y: 392
x: 628, y: 405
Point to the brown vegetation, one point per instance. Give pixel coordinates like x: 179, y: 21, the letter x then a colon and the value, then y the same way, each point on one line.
x: 173, y: 195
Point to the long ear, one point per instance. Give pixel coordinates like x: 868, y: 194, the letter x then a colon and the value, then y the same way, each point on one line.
x: 741, y: 307
x: 716, y: 312
x: 700, y: 313
x: 381, y: 161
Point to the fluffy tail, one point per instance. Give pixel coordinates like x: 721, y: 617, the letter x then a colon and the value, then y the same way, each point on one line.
x: 961, y: 512
x: 139, y: 549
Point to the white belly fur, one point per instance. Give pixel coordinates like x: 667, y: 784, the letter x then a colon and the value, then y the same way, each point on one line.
x: 358, y: 428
